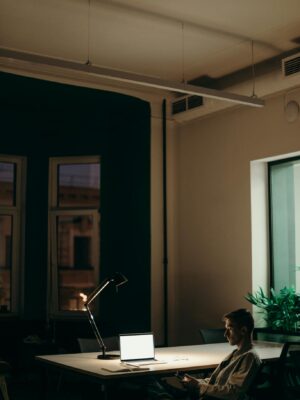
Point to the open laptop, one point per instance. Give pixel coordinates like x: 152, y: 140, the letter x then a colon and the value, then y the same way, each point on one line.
x: 137, y: 349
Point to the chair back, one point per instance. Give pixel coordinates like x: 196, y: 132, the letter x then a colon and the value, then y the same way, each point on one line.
x: 287, y: 375
x: 212, y: 335
x: 88, y: 345
x: 5, y: 370
x: 259, y: 387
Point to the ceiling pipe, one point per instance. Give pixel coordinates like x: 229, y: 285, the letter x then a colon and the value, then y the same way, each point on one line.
x: 132, y: 78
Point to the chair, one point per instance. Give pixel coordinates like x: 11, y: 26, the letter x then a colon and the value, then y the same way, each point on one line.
x: 260, y: 387
x: 212, y: 335
x: 287, y: 374
x: 87, y: 345
x: 4, y: 371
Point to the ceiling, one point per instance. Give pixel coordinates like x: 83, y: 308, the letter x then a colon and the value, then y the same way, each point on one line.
x: 176, y: 40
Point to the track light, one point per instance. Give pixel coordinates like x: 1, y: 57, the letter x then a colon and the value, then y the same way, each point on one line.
x: 129, y: 77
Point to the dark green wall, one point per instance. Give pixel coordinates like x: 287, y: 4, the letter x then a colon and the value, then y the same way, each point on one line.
x: 40, y: 119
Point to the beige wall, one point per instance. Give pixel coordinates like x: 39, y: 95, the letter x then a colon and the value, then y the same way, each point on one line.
x: 213, y: 233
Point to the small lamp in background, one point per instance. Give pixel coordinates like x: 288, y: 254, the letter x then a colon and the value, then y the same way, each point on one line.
x: 117, y: 279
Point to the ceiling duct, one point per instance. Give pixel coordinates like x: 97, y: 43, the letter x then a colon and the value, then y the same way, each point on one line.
x: 291, y: 65
x: 184, y: 103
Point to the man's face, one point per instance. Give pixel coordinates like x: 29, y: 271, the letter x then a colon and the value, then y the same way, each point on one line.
x: 233, y: 333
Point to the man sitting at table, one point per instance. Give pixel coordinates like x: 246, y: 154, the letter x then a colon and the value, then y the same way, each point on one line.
x: 231, y: 379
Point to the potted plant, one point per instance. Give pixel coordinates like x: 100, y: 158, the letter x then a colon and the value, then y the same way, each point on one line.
x: 281, y: 310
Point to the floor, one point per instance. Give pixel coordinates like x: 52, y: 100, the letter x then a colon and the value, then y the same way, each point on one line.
x: 55, y: 387
x: 64, y: 387
x: 32, y: 391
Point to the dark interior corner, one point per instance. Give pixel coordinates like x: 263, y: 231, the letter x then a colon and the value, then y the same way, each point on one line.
x: 40, y: 120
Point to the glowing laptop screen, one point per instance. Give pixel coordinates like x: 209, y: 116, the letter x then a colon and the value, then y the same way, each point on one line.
x: 137, y: 346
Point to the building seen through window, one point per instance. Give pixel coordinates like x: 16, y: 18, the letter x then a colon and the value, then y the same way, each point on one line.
x: 5, y: 262
x: 75, y: 225
x: 7, y: 183
x: 79, y: 185
x: 76, y: 261
x: 10, y: 220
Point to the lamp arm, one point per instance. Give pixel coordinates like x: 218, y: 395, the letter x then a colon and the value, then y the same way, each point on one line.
x: 95, y: 330
x: 98, y: 290
x: 118, y: 279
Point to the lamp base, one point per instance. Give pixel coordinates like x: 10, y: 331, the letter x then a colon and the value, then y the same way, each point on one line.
x: 108, y: 356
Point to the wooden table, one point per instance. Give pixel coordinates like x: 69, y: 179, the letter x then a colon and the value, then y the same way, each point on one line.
x: 171, y: 359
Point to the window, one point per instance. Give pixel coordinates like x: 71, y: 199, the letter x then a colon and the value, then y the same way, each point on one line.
x: 74, y: 231
x: 11, y: 192
x: 284, y: 197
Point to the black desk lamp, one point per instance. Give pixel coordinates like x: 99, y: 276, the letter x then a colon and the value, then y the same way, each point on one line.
x: 117, y: 279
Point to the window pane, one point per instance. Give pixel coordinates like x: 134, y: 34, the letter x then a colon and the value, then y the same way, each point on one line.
x: 78, y: 241
x: 285, y: 224
x: 5, y: 262
x: 79, y: 185
x: 7, y: 184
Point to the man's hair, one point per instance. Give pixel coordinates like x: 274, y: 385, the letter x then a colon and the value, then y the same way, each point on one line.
x: 241, y: 317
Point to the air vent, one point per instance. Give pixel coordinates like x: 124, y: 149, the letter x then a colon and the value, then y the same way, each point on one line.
x: 179, y: 106
x: 186, y: 103
x: 291, y: 65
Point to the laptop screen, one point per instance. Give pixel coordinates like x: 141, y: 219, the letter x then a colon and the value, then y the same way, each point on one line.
x: 136, y: 346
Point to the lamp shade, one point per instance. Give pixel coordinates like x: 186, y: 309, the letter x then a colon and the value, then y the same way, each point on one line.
x: 118, y: 279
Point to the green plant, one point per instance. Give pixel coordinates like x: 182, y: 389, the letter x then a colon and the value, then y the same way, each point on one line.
x: 282, y: 310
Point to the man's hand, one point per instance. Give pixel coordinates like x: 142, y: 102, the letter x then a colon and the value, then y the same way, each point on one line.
x: 190, y: 382
x: 192, y: 385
